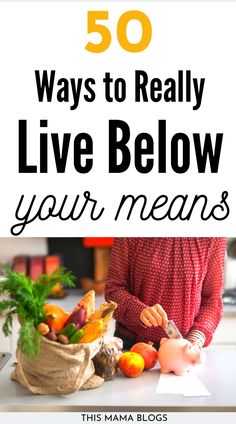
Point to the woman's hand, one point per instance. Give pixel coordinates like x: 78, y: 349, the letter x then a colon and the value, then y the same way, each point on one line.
x: 152, y: 316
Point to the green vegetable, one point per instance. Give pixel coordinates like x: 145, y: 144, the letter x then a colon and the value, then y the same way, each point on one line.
x: 76, y: 336
x: 26, y: 299
x: 69, y: 330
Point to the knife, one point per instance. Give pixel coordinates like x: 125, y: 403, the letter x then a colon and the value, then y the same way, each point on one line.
x: 172, y: 331
x: 4, y: 357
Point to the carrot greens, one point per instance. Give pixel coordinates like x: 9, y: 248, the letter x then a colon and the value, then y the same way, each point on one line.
x: 26, y: 298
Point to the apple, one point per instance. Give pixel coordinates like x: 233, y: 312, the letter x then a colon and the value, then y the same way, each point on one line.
x: 148, y: 352
x: 131, y: 364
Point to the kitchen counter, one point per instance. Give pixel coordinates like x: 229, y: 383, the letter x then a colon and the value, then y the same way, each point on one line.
x: 229, y: 310
x: 217, y: 373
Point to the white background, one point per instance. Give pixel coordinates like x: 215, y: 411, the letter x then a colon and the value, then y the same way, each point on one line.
x: 197, y: 36
x: 172, y: 417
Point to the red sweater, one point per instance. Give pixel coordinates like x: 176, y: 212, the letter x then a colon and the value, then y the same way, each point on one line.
x: 183, y: 275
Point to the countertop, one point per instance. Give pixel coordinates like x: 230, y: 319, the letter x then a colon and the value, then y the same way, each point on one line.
x: 217, y: 373
x: 229, y: 311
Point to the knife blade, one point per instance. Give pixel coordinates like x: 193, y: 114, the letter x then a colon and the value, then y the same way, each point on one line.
x: 4, y: 357
x: 172, y: 331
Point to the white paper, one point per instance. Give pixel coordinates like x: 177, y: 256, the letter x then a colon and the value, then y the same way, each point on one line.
x: 187, y: 385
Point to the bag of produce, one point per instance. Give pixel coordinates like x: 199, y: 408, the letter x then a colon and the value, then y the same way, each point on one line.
x: 58, y: 369
x: 55, y: 348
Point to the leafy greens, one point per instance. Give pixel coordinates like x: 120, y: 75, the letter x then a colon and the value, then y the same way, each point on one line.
x: 26, y: 298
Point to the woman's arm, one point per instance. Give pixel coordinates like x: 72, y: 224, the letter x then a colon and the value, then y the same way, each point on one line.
x: 118, y: 286
x: 211, y: 308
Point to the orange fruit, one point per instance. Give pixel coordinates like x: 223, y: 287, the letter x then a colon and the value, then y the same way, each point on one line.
x: 131, y: 364
x: 56, y: 316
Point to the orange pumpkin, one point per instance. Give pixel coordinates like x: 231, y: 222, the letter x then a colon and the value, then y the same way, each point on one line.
x: 56, y: 316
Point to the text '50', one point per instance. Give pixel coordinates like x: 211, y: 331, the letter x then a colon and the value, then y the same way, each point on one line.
x: 122, y: 24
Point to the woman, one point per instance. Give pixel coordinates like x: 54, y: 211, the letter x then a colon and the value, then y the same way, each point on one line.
x: 156, y: 279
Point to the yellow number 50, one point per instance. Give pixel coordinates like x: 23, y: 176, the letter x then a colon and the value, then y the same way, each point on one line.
x: 93, y: 26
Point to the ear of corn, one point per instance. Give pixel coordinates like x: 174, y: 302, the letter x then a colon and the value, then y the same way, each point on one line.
x: 93, y: 330
x: 104, y: 312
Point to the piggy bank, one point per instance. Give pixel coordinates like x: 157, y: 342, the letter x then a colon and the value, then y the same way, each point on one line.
x: 178, y: 356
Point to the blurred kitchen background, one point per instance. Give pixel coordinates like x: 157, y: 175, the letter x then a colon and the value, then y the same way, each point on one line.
x: 88, y: 260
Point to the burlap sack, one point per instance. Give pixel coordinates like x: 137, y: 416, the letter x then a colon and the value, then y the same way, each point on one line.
x: 59, y: 369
